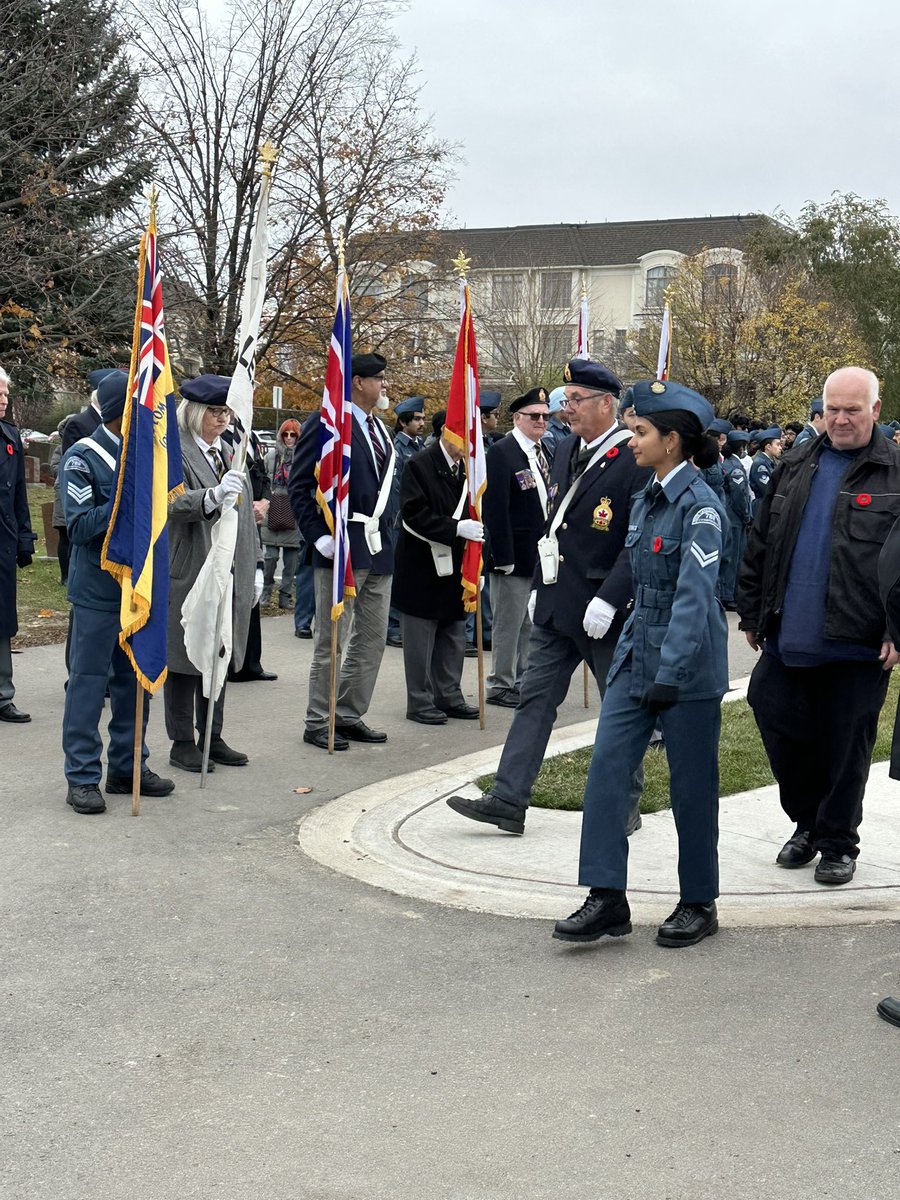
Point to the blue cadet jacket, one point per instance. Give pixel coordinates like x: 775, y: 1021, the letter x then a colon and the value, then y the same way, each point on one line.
x: 760, y: 474
x: 86, y: 476
x: 677, y: 633
x: 737, y: 493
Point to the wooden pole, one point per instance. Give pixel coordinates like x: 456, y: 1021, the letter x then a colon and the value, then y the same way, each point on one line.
x: 213, y: 692
x: 332, y: 686
x: 479, y: 644
x: 138, y: 746
x: 587, y: 702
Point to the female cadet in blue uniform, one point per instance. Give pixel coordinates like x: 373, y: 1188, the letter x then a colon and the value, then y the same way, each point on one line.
x: 737, y: 506
x: 670, y: 665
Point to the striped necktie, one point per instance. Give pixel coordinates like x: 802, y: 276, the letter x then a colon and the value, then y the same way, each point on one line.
x: 377, y: 444
x: 541, y: 462
x: 218, y: 462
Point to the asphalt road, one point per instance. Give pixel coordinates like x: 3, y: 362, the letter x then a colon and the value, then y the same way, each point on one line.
x: 194, y: 1009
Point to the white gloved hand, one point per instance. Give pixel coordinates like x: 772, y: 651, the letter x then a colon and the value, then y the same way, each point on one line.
x: 472, y: 531
x: 532, y: 602
x: 506, y: 570
x: 325, y: 545
x: 257, y: 586
x: 231, y: 484
x: 598, y: 616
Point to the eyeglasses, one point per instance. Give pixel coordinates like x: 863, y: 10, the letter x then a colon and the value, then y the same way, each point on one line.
x: 574, y: 401
x: 535, y: 416
x: 289, y: 434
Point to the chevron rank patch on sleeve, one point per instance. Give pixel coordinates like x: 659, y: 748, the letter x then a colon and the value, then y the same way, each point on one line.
x: 79, y: 494
x: 704, y: 558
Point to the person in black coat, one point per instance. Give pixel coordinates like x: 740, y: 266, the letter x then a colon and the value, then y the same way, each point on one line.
x: 514, y: 511
x: 371, y: 520
x: 82, y: 424
x: 580, y: 603
x: 16, y: 547
x: 427, y: 589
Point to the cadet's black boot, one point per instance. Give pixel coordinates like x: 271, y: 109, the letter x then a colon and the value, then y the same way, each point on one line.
x: 151, y: 784
x: 688, y: 924
x: 605, y: 913
x: 86, y: 799
x: 492, y: 810
x: 189, y: 757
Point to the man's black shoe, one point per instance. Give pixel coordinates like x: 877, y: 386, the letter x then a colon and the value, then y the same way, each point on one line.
x: 394, y: 640
x: 9, y: 712
x: 360, y: 732
x: 889, y: 1009
x: 835, y: 869
x: 303, y: 632
x: 505, y: 699
x: 188, y: 757
x: 428, y: 716
x: 252, y: 677
x: 86, y: 799
x: 462, y: 712
x: 319, y: 737
x: 605, y: 913
x: 151, y: 785
x: 492, y: 811
x: 221, y: 753
x: 688, y: 924
x: 797, y: 851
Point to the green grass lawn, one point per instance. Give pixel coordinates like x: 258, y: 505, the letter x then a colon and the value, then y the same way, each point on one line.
x: 742, y: 762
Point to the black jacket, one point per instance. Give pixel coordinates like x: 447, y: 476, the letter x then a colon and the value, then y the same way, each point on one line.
x: 867, y: 505
x: 80, y: 425
x: 511, y: 509
x: 429, y: 495
x: 593, y: 560
x: 16, y: 537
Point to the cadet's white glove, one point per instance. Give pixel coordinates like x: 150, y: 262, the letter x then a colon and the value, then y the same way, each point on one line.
x: 506, y: 570
x: 231, y: 484
x: 598, y: 616
x: 325, y: 545
x: 472, y: 531
x: 257, y: 586
x: 532, y: 602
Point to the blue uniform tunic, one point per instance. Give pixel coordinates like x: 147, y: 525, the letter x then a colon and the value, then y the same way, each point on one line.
x: 87, y: 471
x: 676, y: 635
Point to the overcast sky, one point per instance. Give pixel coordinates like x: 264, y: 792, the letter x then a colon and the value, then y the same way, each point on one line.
x: 593, y: 110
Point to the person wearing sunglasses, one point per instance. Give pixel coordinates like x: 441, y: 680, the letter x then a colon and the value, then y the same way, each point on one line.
x: 514, y: 510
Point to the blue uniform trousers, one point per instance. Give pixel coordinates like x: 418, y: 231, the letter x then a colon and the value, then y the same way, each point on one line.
x: 96, y: 661
x: 304, y: 586
x: 691, y: 730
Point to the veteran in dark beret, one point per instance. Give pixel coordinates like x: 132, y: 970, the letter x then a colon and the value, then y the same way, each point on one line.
x: 203, y: 417
x: 96, y: 660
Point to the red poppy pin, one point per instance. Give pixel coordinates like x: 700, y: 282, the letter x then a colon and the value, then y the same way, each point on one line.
x: 612, y: 453
x: 863, y: 499
x: 9, y: 449
x: 657, y: 545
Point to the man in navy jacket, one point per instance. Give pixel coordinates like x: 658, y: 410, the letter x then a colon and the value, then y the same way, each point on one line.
x: 371, y: 519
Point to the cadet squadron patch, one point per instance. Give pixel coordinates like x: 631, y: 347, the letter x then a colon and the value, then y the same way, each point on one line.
x: 707, y: 516
x: 74, y: 463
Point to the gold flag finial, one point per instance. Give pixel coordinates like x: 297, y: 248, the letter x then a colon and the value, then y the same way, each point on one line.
x: 153, y: 198
x: 340, y: 250
x: 268, y: 155
x: 461, y: 264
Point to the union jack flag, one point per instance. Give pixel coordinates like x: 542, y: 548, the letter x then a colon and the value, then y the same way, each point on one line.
x: 335, y: 435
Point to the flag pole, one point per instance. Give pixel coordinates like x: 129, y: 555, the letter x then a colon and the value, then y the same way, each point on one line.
x: 213, y: 691
x: 479, y: 646
x: 138, y: 745
x: 587, y: 702
x: 332, y: 686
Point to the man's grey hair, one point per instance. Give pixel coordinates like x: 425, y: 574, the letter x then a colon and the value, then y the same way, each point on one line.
x: 871, y: 379
x: 190, y: 417
x: 4, y: 378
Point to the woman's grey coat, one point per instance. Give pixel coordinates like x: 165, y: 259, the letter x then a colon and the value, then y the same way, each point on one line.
x: 190, y: 539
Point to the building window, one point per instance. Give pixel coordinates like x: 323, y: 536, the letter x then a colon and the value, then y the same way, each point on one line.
x: 718, y: 283
x: 557, y: 344
x: 505, y: 288
x: 415, y: 290
x: 598, y: 341
x: 621, y: 344
x: 505, y: 347
x: 556, y: 289
x: 658, y: 279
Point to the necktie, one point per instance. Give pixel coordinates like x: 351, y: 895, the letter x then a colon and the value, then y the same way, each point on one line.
x: 542, y: 463
x: 655, y: 489
x: 580, y: 462
x: 377, y: 444
x: 218, y: 462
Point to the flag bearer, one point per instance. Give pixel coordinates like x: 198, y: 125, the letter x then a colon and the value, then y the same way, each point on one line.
x: 87, y: 472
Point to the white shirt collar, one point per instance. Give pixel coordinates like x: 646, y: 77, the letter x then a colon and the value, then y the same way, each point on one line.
x: 206, y: 447
x: 614, y: 428
x: 525, y: 442
x: 450, y: 463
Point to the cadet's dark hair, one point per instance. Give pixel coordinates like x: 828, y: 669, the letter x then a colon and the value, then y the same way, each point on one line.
x: 702, y: 448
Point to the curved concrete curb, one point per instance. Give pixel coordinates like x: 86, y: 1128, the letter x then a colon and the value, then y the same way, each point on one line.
x: 400, y: 836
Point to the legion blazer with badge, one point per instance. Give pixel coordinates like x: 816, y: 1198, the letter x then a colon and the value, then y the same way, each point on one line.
x: 365, y: 484
x: 592, y: 556
x: 15, y: 524
x: 511, y: 509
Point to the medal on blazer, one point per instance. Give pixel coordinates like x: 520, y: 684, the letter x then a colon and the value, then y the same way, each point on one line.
x: 603, y: 515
